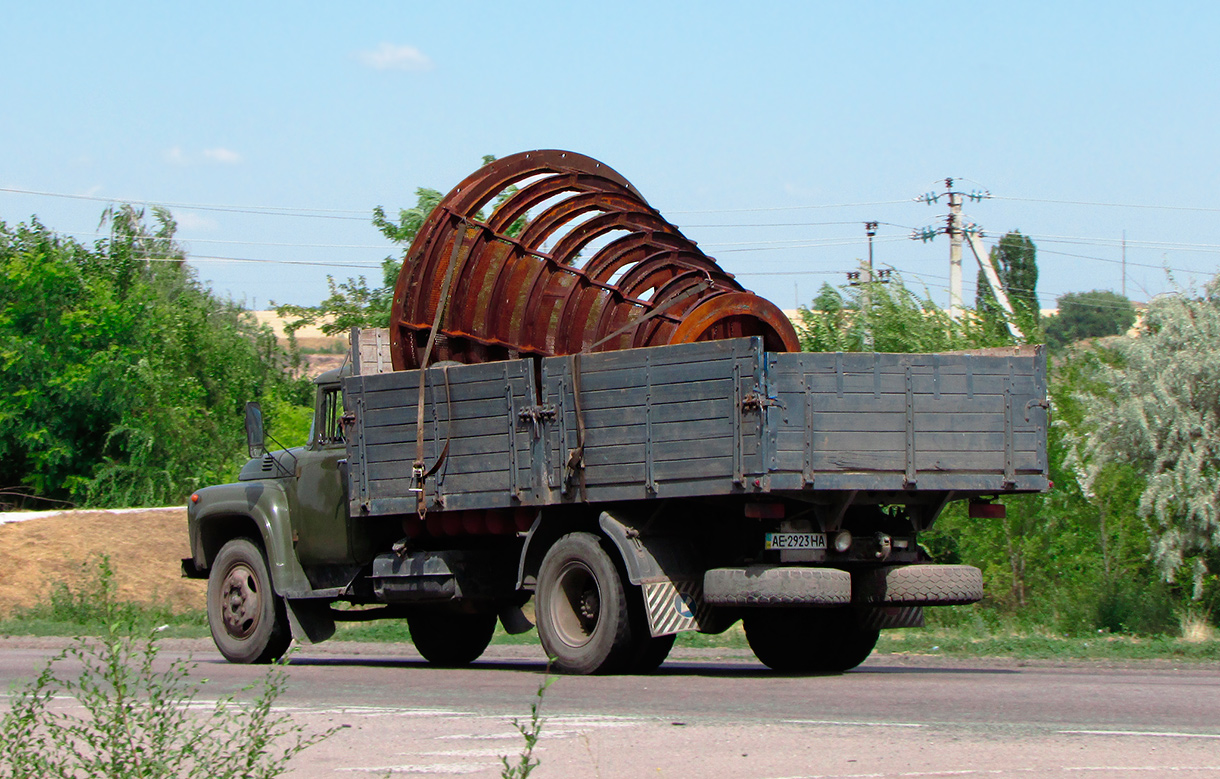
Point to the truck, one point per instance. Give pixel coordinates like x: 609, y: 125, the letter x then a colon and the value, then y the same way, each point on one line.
x: 626, y: 496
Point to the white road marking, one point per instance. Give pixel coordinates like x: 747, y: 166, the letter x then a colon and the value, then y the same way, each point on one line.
x: 438, y: 768
x: 497, y: 753
x: 1151, y: 733
x: 853, y: 724
x: 1155, y: 769
x: 1041, y: 771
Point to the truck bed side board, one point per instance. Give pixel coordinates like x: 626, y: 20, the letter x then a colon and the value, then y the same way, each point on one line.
x: 709, y: 418
x: 474, y: 409
x: 965, y: 422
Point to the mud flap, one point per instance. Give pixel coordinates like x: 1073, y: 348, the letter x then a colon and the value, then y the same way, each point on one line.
x: 669, y: 576
x: 889, y: 617
x: 311, y: 620
x: 676, y: 606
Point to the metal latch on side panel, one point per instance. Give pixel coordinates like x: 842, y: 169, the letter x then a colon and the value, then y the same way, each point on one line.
x: 536, y: 415
x: 756, y: 401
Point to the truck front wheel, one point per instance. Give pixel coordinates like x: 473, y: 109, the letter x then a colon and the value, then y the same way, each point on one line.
x: 583, y: 613
x: 808, y: 640
x: 450, y: 640
x: 248, y: 620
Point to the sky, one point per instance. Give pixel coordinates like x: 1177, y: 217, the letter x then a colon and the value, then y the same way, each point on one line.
x: 770, y: 132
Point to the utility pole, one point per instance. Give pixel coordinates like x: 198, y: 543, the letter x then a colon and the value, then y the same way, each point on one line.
x: 870, y: 229
x: 957, y: 233
x: 870, y: 276
x: 1124, y: 263
x: 955, y: 251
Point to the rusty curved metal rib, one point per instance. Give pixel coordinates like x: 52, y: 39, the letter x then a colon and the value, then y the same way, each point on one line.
x: 531, y: 278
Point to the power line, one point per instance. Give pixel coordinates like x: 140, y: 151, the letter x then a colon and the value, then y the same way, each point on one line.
x: 827, y: 244
x: 1106, y: 205
x: 195, y: 257
x: 1129, y: 262
x: 319, y: 213
x: 789, y: 208
x: 774, y: 224
x: 178, y: 239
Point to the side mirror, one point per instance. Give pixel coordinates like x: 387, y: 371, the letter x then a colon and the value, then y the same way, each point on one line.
x: 254, y: 429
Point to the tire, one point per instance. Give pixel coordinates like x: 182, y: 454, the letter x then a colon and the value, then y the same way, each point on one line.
x: 448, y: 639
x: 917, y: 585
x: 584, y: 618
x: 653, y: 652
x: 824, y: 641
x: 762, y: 585
x: 249, y: 622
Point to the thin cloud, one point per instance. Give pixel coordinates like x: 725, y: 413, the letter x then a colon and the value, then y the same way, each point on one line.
x: 387, y: 56
x: 225, y: 156
x: 175, y: 156
x: 190, y: 221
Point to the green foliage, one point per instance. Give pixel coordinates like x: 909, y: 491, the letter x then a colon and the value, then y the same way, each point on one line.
x: 1089, y: 315
x: 971, y: 632
x: 134, y: 716
x: 897, y: 319
x: 530, y: 731
x: 1074, y: 560
x: 1157, y: 412
x: 1016, y: 263
x: 122, y: 379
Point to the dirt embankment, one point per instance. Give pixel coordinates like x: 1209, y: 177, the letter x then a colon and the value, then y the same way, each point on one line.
x: 145, y: 547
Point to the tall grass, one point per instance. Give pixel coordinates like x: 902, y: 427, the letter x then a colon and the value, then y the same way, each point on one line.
x: 106, y: 706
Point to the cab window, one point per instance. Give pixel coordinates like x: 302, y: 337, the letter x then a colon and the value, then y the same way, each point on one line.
x: 329, y: 424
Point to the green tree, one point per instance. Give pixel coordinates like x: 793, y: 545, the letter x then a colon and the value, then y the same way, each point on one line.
x: 898, y: 319
x: 1092, y: 314
x: 122, y: 379
x: 1157, y: 411
x: 1075, y: 559
x: 1016, y: 263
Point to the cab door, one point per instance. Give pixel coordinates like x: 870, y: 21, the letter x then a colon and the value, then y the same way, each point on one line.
x: 321, y: 486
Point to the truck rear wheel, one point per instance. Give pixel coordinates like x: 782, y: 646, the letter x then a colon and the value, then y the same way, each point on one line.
x: 249, y: 622
x: 584, y: 613
x: 451, y: 640
x: 808, y: 640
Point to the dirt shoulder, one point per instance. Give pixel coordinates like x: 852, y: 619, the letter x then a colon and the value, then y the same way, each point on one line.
x: 145, y: 547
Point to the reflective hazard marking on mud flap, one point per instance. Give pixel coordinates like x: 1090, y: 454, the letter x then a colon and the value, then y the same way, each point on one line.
x: 674, y: 606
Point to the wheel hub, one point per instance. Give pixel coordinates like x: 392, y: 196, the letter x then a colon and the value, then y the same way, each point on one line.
x: 577, y: 609
x: 242, y: 602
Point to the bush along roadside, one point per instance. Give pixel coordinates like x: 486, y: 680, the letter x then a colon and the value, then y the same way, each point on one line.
x: 124, y: 714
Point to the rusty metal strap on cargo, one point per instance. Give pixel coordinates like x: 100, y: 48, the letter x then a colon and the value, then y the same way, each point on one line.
x: 575, y: 465
x: 418, y: 472
x: 707, y: 283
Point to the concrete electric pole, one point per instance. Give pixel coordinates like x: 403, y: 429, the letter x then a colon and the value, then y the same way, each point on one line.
x: 957, y: 232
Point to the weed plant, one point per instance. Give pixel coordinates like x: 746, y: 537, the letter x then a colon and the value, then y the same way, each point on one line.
x: 530, y: 731
x: 92, y: 605
x: 125, y: 714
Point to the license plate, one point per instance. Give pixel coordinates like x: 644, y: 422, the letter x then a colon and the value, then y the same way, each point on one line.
x: 795, y: 541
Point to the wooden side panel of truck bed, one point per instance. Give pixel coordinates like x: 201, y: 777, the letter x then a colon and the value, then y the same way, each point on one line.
x: 703, y: 419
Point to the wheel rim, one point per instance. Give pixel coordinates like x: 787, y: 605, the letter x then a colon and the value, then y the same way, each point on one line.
x: 241, y: 603
x: 576, y: 608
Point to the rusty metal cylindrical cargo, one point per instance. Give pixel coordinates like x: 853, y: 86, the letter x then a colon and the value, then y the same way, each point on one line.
x: 568, y: 258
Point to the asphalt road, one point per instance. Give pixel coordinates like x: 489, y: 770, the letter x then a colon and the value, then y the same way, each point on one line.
x: 721, y: 714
